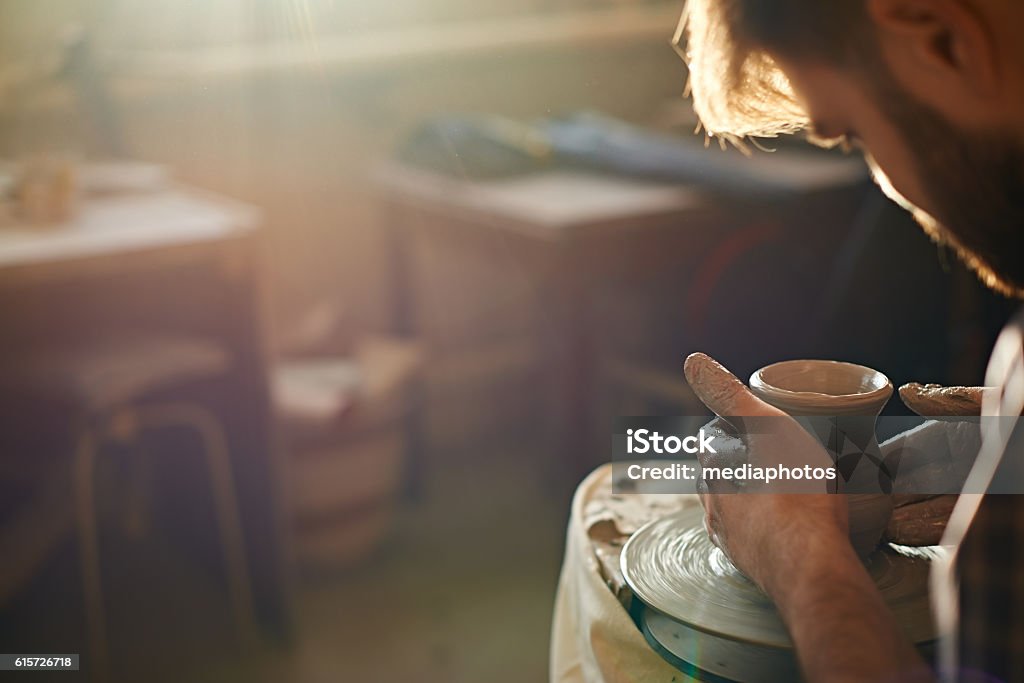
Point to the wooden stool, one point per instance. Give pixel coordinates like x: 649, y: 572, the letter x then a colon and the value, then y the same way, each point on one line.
x: 109, y: 385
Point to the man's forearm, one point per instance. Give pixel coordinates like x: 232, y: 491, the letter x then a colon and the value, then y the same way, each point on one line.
x: 842, y: 628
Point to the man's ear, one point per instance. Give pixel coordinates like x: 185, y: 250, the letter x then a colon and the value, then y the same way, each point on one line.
x: 943, y: 41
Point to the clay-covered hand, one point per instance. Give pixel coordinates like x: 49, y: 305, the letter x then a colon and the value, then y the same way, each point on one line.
x: 924, y: 488
x: 765, y: 534
x: 935, y: 400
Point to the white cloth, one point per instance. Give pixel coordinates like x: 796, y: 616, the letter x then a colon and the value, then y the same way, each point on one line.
x: 593, y: 639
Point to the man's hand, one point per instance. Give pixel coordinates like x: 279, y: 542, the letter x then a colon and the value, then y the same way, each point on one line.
x: 935, y: 400
x: 920, y: 519
x: 795, y: 547
x: 761, y: 533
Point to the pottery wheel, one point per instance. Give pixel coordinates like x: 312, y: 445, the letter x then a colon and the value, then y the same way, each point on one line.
x: 673, y: 567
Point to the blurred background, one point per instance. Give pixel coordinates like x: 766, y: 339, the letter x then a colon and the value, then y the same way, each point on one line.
x: 315, y: 312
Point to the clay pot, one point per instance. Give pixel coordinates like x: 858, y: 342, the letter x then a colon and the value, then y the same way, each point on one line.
x: 822, y: 387
x: 851, y: 397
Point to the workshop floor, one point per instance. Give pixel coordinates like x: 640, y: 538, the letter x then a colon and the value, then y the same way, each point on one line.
x: 462, y: 592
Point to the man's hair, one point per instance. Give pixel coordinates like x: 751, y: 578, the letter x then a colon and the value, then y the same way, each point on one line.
x: 973, y: 177
x: 738, y: 90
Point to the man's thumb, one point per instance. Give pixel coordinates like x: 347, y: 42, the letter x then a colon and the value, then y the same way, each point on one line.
x: 720, y: 390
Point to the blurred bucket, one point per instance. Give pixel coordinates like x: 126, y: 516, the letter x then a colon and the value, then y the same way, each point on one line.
x: 345, y: 421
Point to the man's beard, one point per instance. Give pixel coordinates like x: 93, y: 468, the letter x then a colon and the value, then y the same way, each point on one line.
x: 975, y: 186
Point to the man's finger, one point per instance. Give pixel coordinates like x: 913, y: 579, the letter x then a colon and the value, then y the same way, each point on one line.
x: 721, y: 486
x: 934, y: 400
x: 709, y: 529
x: 721, y: 391
x: 921, y: 522
x: 730, y: 451
x: 702, y: 489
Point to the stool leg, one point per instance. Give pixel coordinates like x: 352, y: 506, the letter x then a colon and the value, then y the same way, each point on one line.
x: 88, y: 544
x: 224, y: 499
x: 226, y: 502
x: 136, y: 516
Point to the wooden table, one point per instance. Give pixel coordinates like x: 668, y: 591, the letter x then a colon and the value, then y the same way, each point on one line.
x: 178, y: 260
x: 578, y: 234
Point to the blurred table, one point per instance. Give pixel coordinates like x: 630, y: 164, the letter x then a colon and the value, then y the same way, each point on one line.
x: 576, y: 243
x: 123, y: 231
x: 175, y: 259
x: 562, y: 231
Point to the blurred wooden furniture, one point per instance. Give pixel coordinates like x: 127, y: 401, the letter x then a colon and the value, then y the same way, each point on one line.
x: 347, y: 426
x: 111, y: 387
x: 162, y: 264
x: 551, y: 275
x: 32, y: 528
x: 496, y: 279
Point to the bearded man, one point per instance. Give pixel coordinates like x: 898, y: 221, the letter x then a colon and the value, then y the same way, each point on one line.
x: 932, y: 93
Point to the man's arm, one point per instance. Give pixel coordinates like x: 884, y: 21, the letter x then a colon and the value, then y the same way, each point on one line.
x: 842, y: 628
x: 796, y: 547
